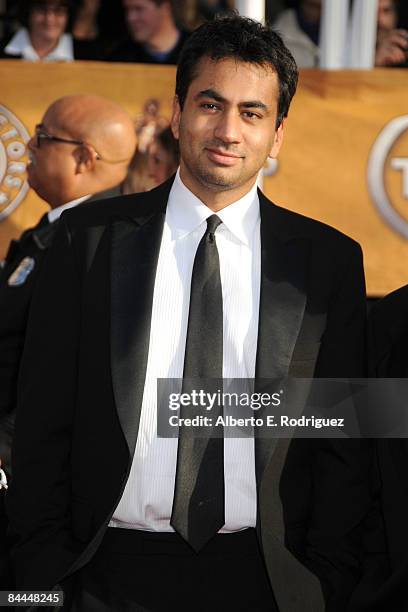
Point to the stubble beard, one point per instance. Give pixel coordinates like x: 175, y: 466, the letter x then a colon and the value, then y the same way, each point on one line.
x: 214, y: 179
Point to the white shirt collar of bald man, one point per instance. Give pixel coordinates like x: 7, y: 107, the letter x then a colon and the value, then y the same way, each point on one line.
x: 55, y: 213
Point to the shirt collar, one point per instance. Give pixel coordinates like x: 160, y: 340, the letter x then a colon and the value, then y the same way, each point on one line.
x: 55, y: 213
x: 186, y: 212
x: 20, y: 44
x: 161, y: 56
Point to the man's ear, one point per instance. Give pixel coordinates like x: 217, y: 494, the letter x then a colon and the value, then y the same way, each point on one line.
x: 85, y: 159
x: 175, y: 120
x: 277, y: 142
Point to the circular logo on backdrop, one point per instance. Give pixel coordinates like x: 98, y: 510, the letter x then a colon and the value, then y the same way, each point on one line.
x: 387, y: 174
x: 13, y: 162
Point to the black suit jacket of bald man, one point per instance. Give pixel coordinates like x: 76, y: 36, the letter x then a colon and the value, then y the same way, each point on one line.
x: 91, y: 316
x: 15, y: 300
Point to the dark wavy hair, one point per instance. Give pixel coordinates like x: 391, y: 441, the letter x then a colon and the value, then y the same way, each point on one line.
x: 246, y: 40
x: 26, y: 6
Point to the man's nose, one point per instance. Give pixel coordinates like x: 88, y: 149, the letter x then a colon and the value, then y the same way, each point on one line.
x: 228, y: 128
x: 49, y: 17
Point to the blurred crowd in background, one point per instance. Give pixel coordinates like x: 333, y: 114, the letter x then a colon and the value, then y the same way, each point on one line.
x: 153, y: 31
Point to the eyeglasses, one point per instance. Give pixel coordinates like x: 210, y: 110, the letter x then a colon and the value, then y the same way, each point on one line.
x: 41, y: 135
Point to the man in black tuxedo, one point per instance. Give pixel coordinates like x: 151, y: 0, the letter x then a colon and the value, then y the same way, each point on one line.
x: 387, y: 352
x: 201, y: 276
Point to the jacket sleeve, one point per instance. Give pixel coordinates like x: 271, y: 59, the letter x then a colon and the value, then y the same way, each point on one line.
x: 38, y: 498
x: 344, y: 542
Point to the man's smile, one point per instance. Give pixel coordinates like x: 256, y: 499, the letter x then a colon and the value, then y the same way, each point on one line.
x: 224, y: 158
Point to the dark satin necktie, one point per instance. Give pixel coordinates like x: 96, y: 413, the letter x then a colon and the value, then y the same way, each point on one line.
x: 198, y: 507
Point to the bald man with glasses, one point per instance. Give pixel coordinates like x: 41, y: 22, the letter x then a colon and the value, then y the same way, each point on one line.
x: 82, y: 147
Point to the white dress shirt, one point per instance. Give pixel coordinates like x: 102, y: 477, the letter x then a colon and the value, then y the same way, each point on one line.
x: 55, y: 213
x: 20, y: 45
x: 148, y: 496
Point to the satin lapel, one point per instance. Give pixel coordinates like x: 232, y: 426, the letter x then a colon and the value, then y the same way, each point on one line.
x: 135, y: 250
x: 284, y: 268
x: 284, y: 264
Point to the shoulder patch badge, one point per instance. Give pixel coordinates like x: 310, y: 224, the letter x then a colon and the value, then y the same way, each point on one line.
x: 19, y: 276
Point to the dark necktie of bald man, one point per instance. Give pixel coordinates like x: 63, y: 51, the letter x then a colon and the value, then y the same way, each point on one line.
x: 198, y: 507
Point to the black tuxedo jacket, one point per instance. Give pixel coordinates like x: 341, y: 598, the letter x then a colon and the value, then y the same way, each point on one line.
x: 90, y: 323
x: 388, y: 359
x: 15, y: 300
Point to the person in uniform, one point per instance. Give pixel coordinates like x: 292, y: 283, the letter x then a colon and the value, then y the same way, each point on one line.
x: 82, y: 146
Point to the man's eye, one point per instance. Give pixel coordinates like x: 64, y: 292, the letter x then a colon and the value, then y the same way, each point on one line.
x: 209, y: 106
x: 251, y: 115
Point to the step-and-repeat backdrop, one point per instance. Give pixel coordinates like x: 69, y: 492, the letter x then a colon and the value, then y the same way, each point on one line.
x: 344, y: 160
